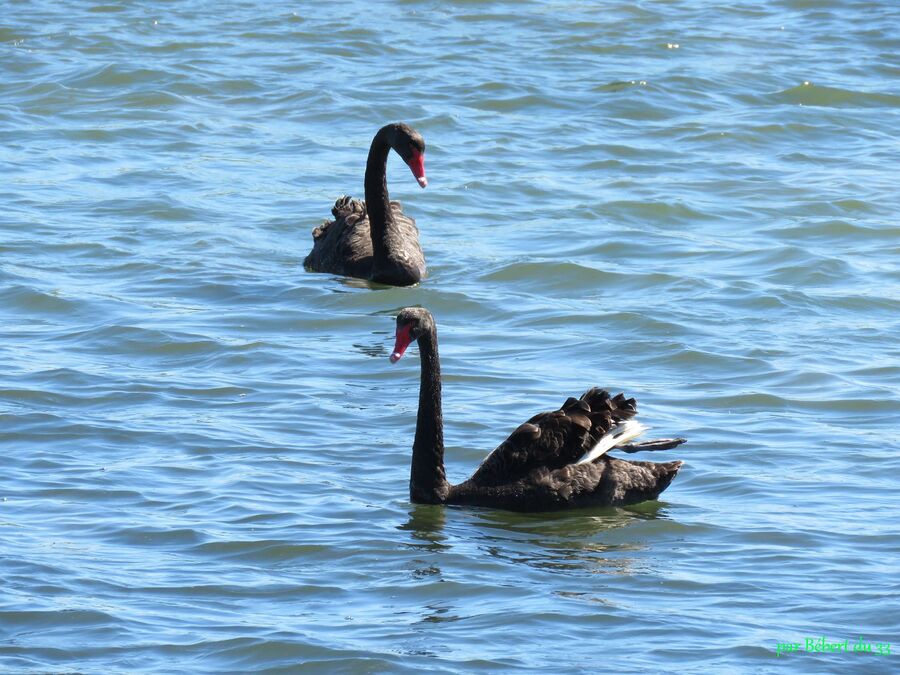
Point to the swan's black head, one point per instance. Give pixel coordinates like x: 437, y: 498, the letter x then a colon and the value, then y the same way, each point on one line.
x: 410, y: 145
x: 412, y: 323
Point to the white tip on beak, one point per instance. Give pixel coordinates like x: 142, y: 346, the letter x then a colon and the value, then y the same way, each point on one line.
x: 423, y: 181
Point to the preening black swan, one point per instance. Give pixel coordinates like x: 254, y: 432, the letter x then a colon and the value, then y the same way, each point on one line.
x: 373, y: 239
x: 556, y: 460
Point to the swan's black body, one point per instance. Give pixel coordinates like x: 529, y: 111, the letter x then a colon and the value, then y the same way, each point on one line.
x: 373, y: 239
x: 536, y: 468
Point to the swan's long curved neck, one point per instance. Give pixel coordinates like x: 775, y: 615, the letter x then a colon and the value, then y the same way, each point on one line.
x: 427, y: 479
x: 378, y: 201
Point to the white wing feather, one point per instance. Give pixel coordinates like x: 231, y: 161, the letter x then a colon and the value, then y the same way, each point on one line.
x: 620, y: 434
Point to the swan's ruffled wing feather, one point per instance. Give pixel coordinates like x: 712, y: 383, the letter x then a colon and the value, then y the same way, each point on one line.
x: 552, y: 440
x: 342, y: 245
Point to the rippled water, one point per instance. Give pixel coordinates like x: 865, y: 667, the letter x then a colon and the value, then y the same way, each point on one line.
x: 206, y: 449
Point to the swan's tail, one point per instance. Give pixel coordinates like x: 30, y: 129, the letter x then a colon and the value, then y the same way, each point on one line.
x: 655, y: 444
x: 620, y: 434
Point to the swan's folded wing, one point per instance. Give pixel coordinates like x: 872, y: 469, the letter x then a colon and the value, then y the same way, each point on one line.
x: 611, y: 481
x: 607, y: 482
x: 553, y: 440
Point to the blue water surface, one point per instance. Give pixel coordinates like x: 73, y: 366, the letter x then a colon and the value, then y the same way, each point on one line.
x: 206, y: 450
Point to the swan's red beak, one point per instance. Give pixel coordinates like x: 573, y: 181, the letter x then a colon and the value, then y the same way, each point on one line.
x: 417, y: 165
x: 403, y: 341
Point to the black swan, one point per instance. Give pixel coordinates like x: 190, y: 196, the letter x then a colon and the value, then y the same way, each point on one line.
x: 555, y: 460
x: 373, y: 239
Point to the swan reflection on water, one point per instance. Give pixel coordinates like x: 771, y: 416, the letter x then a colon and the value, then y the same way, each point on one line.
x: 554, y: 541
x: 426, y: 525
x: 352, y: 284
x: 457, y: 582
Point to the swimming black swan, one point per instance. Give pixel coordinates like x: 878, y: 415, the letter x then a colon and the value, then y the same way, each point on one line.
x: 374, y: 239
x: 555, y: 460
